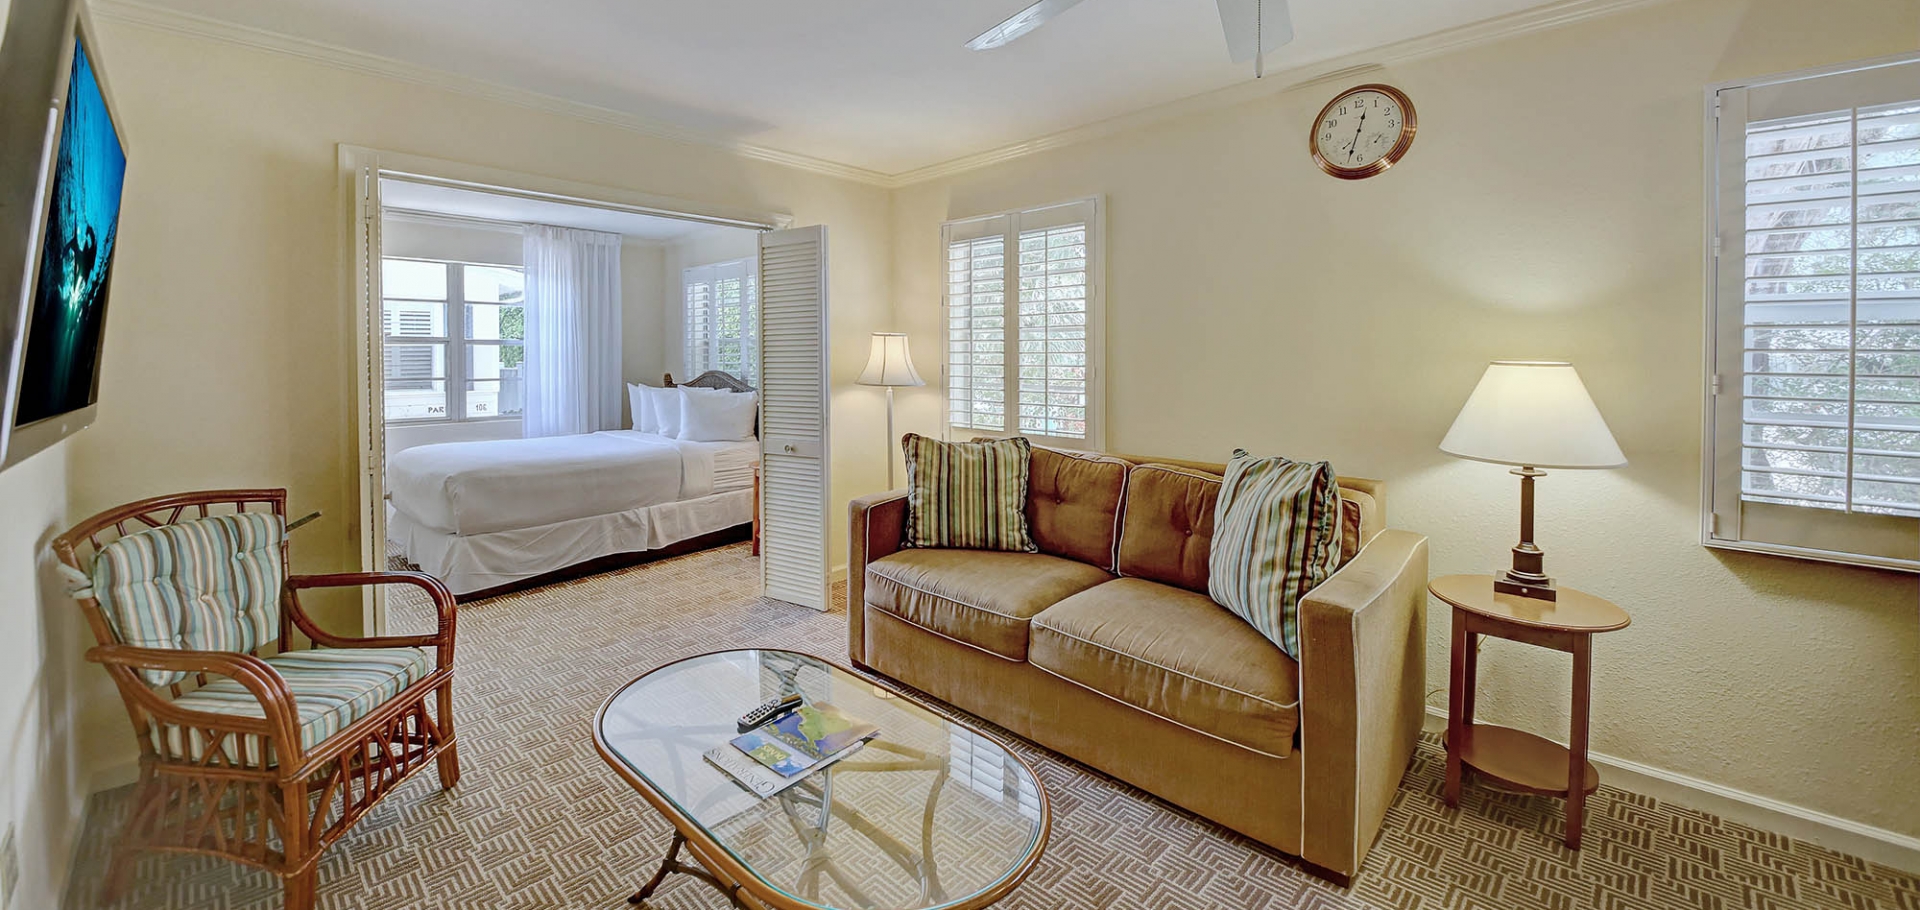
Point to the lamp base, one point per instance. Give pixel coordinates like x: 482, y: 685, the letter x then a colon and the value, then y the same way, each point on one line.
x: 1537, y: 588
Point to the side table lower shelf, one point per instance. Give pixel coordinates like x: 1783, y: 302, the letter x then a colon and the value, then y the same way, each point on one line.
x: 1521, y: 760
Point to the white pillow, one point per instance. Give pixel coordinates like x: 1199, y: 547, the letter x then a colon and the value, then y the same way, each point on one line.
x: 641, y: 402
x: 722, y: 417
x: 663, y: 410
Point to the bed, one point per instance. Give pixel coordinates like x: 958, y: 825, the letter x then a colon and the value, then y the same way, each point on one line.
x: 485, y: 516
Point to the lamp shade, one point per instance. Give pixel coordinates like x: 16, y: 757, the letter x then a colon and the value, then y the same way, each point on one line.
x: 890, y: 364
x: 1533, y: 413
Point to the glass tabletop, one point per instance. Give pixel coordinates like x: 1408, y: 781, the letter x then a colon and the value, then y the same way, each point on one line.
x: 930, y: 813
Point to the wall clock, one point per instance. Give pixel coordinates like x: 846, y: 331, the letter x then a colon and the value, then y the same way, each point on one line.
x: 1363, y: 131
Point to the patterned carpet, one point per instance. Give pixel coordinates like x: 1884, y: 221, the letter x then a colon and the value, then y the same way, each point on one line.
x: 538, y: 821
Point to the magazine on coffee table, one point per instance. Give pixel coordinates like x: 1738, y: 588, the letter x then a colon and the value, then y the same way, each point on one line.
x: 758, y: 778
x: 788, y: 748
x: 793, y: 742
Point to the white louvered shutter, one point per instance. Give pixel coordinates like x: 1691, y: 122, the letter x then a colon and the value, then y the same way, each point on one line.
x: 793, y: 416
x: 1816, y: 411
x: 696, y: 285
x: 1023, y: 325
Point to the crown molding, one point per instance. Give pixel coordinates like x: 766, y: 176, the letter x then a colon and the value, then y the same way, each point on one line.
x: 1555, y: 15
x: 1486, y: 31
x: 150, y: 16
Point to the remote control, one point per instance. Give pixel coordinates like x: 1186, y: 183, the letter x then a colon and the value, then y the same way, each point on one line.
x: 768, y: 711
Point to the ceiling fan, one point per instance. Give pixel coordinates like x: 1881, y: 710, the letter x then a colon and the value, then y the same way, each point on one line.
x: 1254, y: 28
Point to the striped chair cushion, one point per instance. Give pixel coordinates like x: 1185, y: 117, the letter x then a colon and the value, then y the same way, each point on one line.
x: 331, y: 689
x: 1276, y: 536
x: 968, y: 495
x: 212, y: 584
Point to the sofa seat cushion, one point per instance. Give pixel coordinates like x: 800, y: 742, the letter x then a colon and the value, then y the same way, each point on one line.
x: 984, y: 598
x: 1175, y: 654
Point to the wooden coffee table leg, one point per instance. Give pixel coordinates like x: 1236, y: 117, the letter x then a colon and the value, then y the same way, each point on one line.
x: 1457, y: 705
x: 1577, y: 739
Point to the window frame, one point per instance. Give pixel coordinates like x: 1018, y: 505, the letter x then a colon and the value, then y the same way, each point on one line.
x: 455, y: 341
x: 1760, y: 527
x: 709, y: 350
x: 1095, y: 208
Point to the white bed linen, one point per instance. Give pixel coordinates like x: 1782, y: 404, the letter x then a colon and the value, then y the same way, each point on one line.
x: 501, y: 485
x: 476, y: 562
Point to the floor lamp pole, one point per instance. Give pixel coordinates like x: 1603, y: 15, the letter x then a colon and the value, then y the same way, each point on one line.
x: 889, y: 437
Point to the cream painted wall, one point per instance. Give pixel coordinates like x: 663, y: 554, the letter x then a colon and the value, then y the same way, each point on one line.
x: 642, y: 317
x: 229, y: 357
x: 417, y: 238
x: 1550, y: 208
x: 43, y: 681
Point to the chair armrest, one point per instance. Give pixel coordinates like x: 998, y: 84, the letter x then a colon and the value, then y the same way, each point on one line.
x: 1363, y: 655
x: 281, y: 723
x: 443, y: 602
x: 875, y: 523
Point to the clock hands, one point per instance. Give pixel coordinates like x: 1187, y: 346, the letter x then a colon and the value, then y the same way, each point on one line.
x: 1356, y: 134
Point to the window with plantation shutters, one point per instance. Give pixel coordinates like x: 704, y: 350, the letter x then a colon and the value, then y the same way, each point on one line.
x: 1024, y: 325
x: 722, y: 315
x: 1814, y: 443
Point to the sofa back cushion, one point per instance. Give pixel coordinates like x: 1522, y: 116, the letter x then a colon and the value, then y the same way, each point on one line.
x: 1166, y: 528
x: 1166, y: 525
x: 1073, y: 500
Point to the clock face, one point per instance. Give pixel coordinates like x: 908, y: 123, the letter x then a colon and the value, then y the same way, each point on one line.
x: 1363, y: 131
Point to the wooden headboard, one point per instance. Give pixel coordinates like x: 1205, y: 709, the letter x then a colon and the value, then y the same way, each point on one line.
x: 711, y: 379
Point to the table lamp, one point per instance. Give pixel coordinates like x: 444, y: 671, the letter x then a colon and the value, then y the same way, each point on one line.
x: 890, y: 364
x: 1535, y: 415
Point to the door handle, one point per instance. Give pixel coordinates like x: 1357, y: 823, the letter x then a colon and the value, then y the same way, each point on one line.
x: 788, y: 448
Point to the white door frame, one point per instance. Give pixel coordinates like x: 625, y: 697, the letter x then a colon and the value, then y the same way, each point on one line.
x: 360, y: 170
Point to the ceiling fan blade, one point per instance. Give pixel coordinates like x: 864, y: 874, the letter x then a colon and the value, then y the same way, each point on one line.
x: 1238, y: 18
x: 1021, y: 23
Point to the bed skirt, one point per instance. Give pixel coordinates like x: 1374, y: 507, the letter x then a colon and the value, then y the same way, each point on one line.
x: 478, y: 562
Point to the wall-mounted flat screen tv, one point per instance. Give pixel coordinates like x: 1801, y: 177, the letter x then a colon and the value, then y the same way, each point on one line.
x: 56, y: 361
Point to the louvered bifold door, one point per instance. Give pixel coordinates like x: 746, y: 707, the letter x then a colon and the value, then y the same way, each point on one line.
x: 793, y: 418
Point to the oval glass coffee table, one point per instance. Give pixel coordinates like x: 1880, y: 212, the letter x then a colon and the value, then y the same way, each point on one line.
x: 931, y: 813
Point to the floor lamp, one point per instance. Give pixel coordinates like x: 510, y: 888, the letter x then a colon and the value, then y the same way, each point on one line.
x: 890, y: 365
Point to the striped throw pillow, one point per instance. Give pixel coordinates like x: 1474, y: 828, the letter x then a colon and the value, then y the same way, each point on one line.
x: 968, y: 495
x: 1276, y: 536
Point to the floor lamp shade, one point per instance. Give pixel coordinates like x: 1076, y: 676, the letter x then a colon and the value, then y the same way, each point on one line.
x: 1535, y: 415
x: 890, y: 364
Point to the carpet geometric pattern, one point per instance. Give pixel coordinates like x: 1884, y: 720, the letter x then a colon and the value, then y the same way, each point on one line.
x: 539, y: 821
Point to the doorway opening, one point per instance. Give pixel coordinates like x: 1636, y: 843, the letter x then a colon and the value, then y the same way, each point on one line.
x: 514, y: 342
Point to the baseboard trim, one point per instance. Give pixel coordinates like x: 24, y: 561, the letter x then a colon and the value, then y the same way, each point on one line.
x: 1877, y: 845
x: 839, y: 574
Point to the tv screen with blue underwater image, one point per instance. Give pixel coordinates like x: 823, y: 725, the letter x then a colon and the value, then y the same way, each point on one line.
x: 60, y: 367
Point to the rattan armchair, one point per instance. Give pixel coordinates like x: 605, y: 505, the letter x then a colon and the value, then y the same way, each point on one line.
x: 230, y: 765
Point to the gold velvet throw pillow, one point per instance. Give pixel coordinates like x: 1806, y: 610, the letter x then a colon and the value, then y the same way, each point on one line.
x: 968, y: 495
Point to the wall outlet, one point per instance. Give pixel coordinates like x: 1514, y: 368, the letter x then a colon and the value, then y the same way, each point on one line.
x: 9, y: 868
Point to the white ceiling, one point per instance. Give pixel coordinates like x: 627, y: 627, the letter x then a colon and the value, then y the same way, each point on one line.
x: 443, y: 200
x: 884, y: 85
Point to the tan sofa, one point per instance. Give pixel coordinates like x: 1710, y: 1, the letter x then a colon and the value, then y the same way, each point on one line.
x: 1105, y: 647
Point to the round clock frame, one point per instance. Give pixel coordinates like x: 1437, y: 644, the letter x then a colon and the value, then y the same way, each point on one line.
x: 1408, y: 126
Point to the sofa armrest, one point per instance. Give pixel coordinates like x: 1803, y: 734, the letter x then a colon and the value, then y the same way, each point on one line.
x: 875, y: 523
x: 1362, y: 694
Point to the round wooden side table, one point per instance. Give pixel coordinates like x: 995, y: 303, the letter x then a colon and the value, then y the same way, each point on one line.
x: 1519, y: 760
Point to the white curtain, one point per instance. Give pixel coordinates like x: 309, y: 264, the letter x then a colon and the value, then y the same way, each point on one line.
x: 573, y: 381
